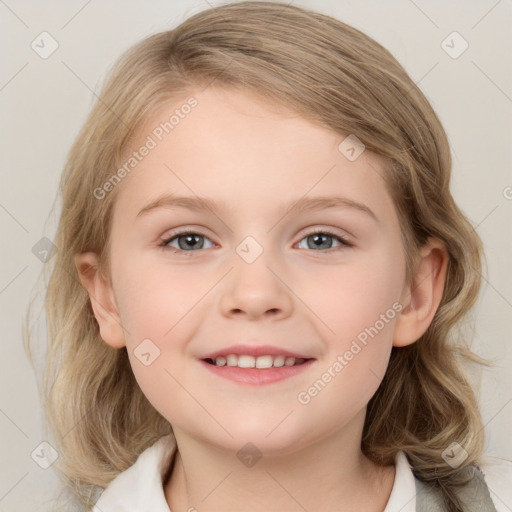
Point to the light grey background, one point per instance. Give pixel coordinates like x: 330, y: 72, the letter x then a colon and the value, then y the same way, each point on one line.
x: 45, y: 101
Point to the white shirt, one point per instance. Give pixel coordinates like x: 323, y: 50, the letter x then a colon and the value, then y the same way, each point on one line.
x: 140, y: 487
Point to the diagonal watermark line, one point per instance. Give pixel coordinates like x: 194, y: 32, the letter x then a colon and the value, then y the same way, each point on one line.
x: 493, y: 287
x: 482, y: 18
x: 13, y: 13
x: 198, y: 301
x: 496, y: 414
x: 416, y: 84
x: 286, y: 490
x: 497, y: 291
x: 94, y: 94
x: 79, y: 421
x: 14, y: 218
x: 307, y: 192
x: 504, y: 505
x: 77, y: 13
x: 14, y: 76
x: 217, y: 76
x: 206, y: 1
x: 407, y: 503
x: 275, y: 428
x: 491, y: 80
x: 13, y: 279
x: 13, y: 423
x: 300, y: 299
x: 199, y: 403
x: 222, y: 220
x: 485, y: 218
x: 14, y: 486
x: 424, y: 14
x: 376, y: 376
x: 375, y: 170
x: 98, y: 509
x: 216, y: 487
x: 126, y: 331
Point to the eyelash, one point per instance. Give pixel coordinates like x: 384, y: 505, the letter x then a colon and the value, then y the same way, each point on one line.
x: 345, y: 243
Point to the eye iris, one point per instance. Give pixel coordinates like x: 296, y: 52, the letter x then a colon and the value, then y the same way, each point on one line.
x: 191, y: 240
x: 318, y: 242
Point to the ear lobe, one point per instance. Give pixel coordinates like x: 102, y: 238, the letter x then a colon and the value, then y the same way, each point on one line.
x: 102, y: 298
x: 423, y: 297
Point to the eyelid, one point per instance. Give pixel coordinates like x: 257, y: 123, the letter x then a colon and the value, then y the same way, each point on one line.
x: 186, y: 231
x: 311, y: 230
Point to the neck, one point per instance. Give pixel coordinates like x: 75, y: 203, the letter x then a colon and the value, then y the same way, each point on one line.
x: 329, y: 475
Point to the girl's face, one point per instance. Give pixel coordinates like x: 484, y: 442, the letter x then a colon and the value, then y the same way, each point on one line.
x: 253, y: 272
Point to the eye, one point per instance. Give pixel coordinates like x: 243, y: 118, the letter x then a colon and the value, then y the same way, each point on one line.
x: 187, y: 241
x: 323, y: 239
x: 190, y: 241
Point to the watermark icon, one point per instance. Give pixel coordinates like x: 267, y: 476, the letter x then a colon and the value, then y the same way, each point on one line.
x: 157, y: 135
x: 454, y: 45
x: 249, y: 249
x: 44, y: 250
x: 44, y: 455
x: 507, y: 192
x: 146, y: 352
x: 351, y: 148
x: 454, y: 455
x: 361, y: 340
x: 249, y: 455
x: 44, y: 45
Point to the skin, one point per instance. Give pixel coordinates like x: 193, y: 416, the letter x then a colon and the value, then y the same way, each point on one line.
x: 257, y: 158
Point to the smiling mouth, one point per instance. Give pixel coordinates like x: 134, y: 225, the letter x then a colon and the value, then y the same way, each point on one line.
x: 259, y: 362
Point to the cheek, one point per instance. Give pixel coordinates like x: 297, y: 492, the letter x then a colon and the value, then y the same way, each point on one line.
x: 353, y: 297
x: 358, y: 306
x: 153, y: 299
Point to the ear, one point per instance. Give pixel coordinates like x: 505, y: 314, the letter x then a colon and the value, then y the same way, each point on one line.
x: 421, y: 299
x: 102, y: 298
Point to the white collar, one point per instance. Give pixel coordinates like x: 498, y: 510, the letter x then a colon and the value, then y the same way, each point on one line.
x: 140, y: 487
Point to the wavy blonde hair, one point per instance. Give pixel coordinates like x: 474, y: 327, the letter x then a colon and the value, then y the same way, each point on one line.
x: 332, y: 74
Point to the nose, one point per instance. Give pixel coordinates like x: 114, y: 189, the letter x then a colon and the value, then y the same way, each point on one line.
x: 255, y: 290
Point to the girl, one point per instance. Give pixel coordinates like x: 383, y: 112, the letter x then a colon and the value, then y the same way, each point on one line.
x: 259, y: 274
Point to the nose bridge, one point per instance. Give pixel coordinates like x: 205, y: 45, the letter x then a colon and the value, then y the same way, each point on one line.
x: 254, y: 287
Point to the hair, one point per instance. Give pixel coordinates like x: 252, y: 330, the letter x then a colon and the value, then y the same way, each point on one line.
x: 336, y: 76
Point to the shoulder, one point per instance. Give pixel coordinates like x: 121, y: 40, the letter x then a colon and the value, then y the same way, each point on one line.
x: 410, y: 494
x: 498, y: 477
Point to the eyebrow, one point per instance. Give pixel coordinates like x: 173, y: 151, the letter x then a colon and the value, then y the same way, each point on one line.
x: 300, y: 205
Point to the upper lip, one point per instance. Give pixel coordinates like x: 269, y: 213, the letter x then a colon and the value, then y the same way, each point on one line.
x: 255, y: 351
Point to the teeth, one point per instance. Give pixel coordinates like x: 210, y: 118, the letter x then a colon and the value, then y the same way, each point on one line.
x: 279, y: 361
x: 244, y: 361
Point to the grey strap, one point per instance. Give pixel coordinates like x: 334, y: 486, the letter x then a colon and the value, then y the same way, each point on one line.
x: 474, y: 496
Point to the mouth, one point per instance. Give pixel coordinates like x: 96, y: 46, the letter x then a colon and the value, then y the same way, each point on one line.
x: 256, y: 364
x: 263, y: 362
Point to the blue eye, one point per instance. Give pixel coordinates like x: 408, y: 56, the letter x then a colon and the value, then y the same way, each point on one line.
x: 186, y: 240
x: 323, y: 239
x: 190, y: 241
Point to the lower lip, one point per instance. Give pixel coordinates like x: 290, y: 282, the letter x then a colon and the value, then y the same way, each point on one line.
x: 257, y: 376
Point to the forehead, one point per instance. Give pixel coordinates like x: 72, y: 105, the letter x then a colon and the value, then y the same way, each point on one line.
x: 240, y: 148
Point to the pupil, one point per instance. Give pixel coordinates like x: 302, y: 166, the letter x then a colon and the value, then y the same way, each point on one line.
x: 190, y: 241
x: 318, y: 240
